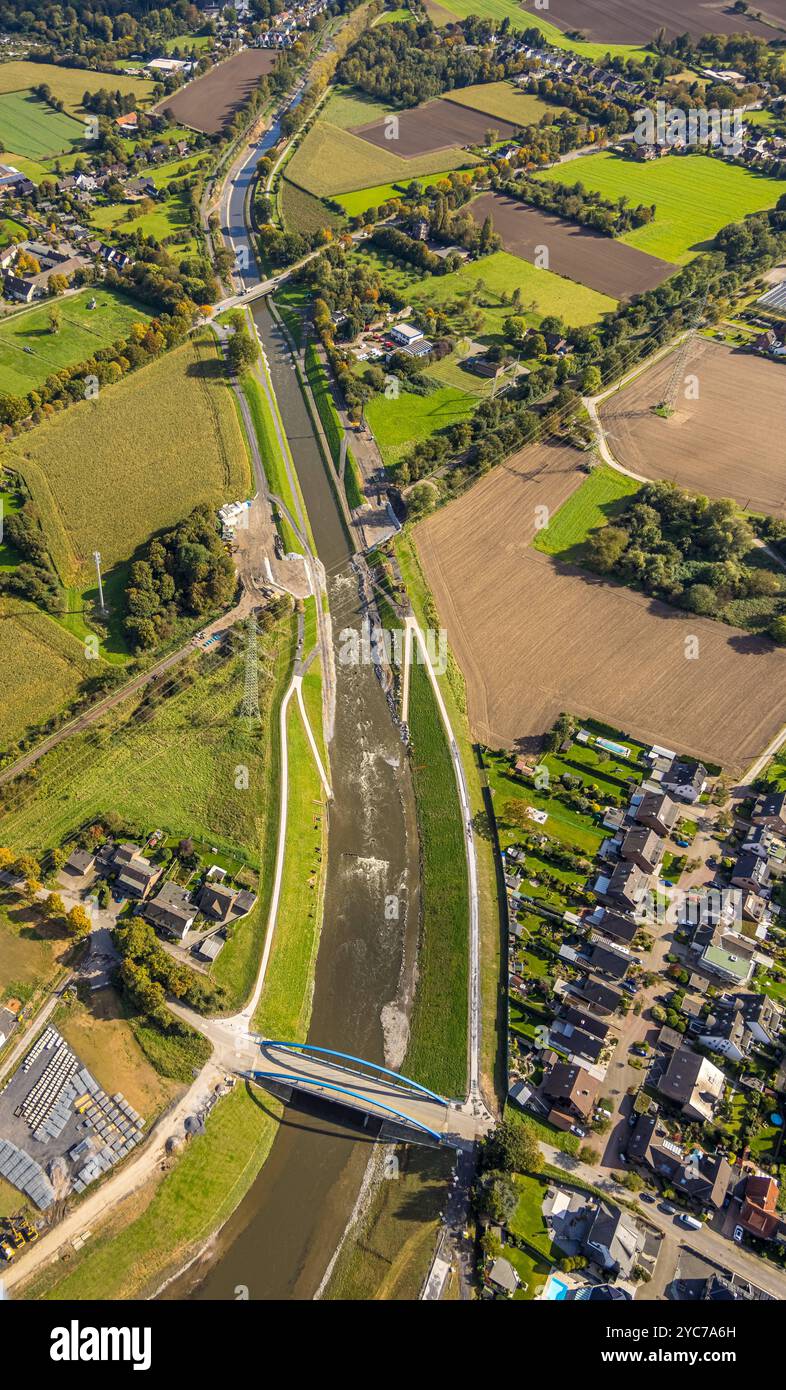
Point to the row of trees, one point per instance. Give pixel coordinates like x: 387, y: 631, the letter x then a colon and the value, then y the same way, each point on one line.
x: 579, y: 204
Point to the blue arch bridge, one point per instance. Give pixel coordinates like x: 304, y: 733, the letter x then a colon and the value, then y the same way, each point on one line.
x: 404, y: 1108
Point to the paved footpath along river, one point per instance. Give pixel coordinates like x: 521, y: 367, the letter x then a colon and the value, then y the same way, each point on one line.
x: 280, y: 1240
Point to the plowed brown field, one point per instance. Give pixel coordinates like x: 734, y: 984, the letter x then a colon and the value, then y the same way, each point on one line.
x: 728, y: 443
x: 606, y: 265
x: 534, y: 637
x: 638, y: 21
x: 438, y: 125
x: 210, y: 102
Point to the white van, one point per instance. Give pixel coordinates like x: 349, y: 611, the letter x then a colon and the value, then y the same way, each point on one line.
x: 691, y: 1222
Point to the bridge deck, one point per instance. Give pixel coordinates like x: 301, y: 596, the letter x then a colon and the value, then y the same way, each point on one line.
x: 374, y: 1095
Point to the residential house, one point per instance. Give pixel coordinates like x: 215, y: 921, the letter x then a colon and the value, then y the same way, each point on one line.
x: 759, y: 1211
x: 172, y: 908
x: 14, y: 287
x: 224, y: 904
x: 763, y: 1017
x: 127, y: 123
x: 725, y: 953
x: 571, y: 1092
x: 603, y: 999
x: 135, y: 874
x: 604, y: 960
x: 686, y: 780
x: 658, y: 811
x: 613, y: 924
x: 579, y: 1035
x: 770, y: 810
x: 613, y: 1240
x: 643, y: 847
x: 627, y: 888
x: 751, y: 872
x: 79, y: 863
x: 503, y: 1277
x: 726, y: 1032
x: 693, y: 1083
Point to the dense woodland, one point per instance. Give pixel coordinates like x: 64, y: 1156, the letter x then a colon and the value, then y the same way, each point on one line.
x: 186, y: 572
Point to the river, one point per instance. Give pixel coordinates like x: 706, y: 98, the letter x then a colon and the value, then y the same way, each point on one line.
x: 280, y: 1240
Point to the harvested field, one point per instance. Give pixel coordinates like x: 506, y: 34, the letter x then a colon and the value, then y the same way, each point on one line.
x: 605, y: 265
x: 726, y: 444
x: 436, y: 126
x: 535, y: 637
x: 210, y: 103
x: 638, y: 21
x: 70, y: 84
x: 331, y: 161
x: 504, y: 101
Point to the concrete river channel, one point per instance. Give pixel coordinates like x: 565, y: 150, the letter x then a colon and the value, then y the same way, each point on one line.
x: 279, y: 1242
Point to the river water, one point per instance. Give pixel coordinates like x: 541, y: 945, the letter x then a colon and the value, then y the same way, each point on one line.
x: 280, y: 1240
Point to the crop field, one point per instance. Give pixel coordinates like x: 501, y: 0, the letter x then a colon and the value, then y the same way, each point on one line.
x: 35, y: 129
x: 91, y: 470
x: 436, y: 126
x: 30, y: 352
x: 399, y: 424
x: 727, y: 443
x: 346, y: 108
x: 596, y: 503
x: 209, y: 103
x: 638, y: 21
x: 301, y: 212
x: 505, y: 102
x: 589, y: 258
x: 534, y: 636
x: 331, y: 161
x: 694, y: 196
x: 69, y: 84
x: 42, y: 667
x: 542, y: 292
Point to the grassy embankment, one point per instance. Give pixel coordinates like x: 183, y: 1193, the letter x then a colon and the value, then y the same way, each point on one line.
x: 451, y: 684
x: 316, y: 377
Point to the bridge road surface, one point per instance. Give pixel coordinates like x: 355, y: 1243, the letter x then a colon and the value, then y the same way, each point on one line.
x: 375, y: 1095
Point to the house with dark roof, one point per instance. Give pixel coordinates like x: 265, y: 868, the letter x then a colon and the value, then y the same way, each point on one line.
x: 571, y: 1092
x: 613, y: 924
x: 627, y: 887
x: 692, y: 1083
x: 135, y: 874
x: 602, y: 998
x: 79, y: 863
x: 704, y: 1178
x: 604, y: 960
x: 613, y: 1240
x: 643, y: 847
x: 686, y: 780
x: 751, y: 872
x: 763, y: 1017
x: 726, y: 1032
x: 172, y: 908
x: 221, y: 903
x: 770, y: 810
x: 657, y: 811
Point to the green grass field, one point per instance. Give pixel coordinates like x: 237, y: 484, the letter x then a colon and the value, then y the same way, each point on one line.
x: 109, y: 472
x: 346, y: 107
x: 35, y: 129
x: 398, y: 424
x: 272, y: 459
x: 594, y: 504
x: 694, y: 196
x: 169, y: 219
x: 542, y: 292
x: 437, y: 1054
x: 69, y: 84
x: 82, y: 332
x: 505, y: 101
x: 331, y: 161
x: 365, y: 198
x: 11, y: 230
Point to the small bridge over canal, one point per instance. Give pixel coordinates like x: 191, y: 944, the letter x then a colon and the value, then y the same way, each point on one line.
x: 398, y: 1102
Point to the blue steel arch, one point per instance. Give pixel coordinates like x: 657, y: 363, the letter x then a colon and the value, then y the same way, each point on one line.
x: 348, y: 1057
x: 296, y: 1077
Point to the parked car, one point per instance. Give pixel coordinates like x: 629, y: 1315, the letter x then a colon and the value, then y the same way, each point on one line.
x: 575, y: 1129
x: 646, y: 1197
x: 666, y: 1208
x: 683, y: 844
x: 738, y: 1234
x: 692, y: 1222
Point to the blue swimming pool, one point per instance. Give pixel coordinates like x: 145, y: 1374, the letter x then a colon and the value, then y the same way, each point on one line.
x: 555, y: 1289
